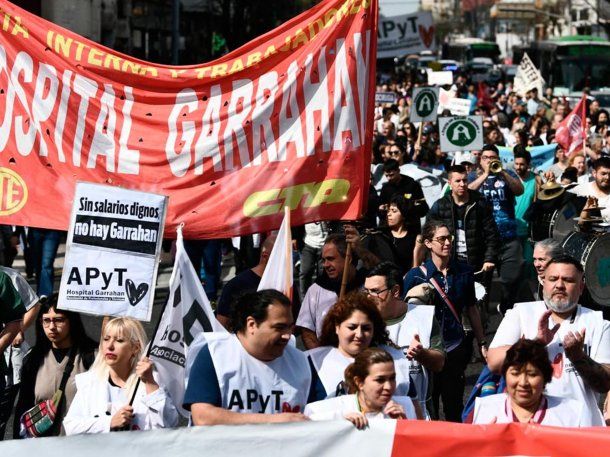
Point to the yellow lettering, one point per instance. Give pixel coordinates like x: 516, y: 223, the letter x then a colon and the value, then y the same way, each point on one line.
x: 293, y: 195
x: 329, y: 17
x: 134, y: 67
x: 95, y: 57
x: 176, y: 73
x: 355, y: 7
x: 286, y: 46
x: 151, y: 70
x: 299, y: 39
x: 329, y: 191
x: 79, y: 50
x: 201, y: 72
x: 253, y: 58
x: 366, y: 4
x: 237, y: 66
x: 252, y: 206
x: 6, y: 22
x: 62, y: 45
x: 116, y: 62
x: 270, y: 50
x: 342, y: 12
x: 50, y: 34
x: 18, y: 28
x: 319, y: 24
x: 219, y: 70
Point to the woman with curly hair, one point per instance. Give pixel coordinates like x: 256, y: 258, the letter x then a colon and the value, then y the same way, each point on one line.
x: 352, y: 325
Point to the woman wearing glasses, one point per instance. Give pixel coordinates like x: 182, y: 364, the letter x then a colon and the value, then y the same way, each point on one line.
x: 453, y: 282
x: 60, y: 336
x: 352, y: 325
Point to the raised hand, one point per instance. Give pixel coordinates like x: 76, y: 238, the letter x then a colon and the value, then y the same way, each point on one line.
x: 574, y: 344
x: 546, y: 334
x: 416, y: 349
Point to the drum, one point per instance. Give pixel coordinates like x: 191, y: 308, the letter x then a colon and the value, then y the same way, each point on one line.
x: 556, y: 223
x: 593, y: 252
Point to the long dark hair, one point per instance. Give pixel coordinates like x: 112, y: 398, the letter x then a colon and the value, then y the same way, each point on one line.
x: 81, y: 342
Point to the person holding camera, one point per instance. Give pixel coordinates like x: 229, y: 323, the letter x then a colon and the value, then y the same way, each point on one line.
x: 500, y: 187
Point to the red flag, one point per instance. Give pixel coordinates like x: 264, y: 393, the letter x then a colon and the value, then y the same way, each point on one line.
x: 484, y: 99
x: 571, y: 133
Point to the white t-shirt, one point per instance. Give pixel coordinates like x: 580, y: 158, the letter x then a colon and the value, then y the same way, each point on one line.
x: 559, y: 412
x: 315, y: 306
x: 27, y: 294
x: 330, y: 365
x: 417, y: 320
x: 522, y: 320
x: 338, y: 407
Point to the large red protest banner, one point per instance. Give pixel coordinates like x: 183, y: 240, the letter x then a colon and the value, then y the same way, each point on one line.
x: 284, y: 120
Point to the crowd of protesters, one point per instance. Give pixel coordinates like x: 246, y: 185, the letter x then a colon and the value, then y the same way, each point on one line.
x: 397, y: 341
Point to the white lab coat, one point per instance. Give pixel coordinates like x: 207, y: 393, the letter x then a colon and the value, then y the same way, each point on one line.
x: 92, y: 408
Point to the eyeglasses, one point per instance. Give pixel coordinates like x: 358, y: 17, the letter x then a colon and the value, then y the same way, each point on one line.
x: 57, y: 321
x: 488, y: 157
x: 443, y: 239
x: 374, y: 292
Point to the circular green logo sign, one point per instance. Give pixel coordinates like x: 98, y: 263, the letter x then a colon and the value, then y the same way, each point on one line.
x: 461, y: 133
x: 424, y: 103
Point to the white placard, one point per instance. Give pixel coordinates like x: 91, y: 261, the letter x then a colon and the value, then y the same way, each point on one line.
x: 459, y: 106
x: 112, y: 251
x: 405, y: 34
x: 385, y: 97
x: 461, y: 133
x: 440, y: 78
x: 528, y: 77
x: 425, y: 104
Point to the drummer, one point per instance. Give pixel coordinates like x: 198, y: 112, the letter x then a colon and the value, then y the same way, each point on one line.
x: 597, y: 191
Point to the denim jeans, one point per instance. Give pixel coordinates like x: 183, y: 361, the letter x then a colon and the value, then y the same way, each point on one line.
x: 43, y: 245
x: 209, y: 252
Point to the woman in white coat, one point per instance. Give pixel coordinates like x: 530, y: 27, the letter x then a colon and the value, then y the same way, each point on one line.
x: 527, y: 370
x: 371, y: 382
x: 103, y: 393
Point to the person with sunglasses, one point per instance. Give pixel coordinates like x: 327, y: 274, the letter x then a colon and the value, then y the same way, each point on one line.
x: 453, y: 283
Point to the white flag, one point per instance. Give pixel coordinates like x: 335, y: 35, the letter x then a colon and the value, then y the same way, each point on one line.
x: 528, y: 77
x: 278, y: 272
x: 187, y: 314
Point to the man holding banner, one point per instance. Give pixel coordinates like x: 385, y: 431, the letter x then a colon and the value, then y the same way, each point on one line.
x: 253, y: 375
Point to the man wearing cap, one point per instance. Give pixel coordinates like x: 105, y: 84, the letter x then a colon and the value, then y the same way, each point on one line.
x: 500, y: 190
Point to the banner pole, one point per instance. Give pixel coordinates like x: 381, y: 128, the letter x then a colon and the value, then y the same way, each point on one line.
x: 288, y: 248
x: 154, y: 334
x: 348, y: 260
x: 419, y: 134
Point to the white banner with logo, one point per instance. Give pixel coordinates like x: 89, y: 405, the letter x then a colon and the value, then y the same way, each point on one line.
x: 186, y: 315
x: 461, y: 133
x: 405, y: 34
x: 425, y: 104
x: 112, y: 251
x: 528, y: 77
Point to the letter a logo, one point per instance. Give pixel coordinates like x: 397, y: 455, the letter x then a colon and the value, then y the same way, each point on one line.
x: 461, y: 133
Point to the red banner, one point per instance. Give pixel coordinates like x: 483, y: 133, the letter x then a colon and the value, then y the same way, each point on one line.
x: 282, y: 121
x: 572, y: 131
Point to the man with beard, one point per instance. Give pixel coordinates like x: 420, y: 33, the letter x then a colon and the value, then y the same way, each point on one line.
x: 577, y: 338
x: 598, y: 189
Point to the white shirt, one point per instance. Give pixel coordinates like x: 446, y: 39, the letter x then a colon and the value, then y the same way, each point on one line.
x: 315, y: 306
x: 522, y: 320
x: 330, y: 365
x: 338, y: 407
x: 417, y: 320
x: 555, y: 411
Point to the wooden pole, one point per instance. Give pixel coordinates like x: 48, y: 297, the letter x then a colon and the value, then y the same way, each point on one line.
x: 344, y: 278
x: 288, y: 248
x: 419, y: 134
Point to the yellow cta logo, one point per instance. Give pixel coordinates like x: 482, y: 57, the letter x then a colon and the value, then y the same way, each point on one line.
x: 309, y: 195
x: 13, y: 192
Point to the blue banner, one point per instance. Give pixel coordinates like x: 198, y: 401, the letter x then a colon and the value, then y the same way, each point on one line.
x: 542, y: 156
